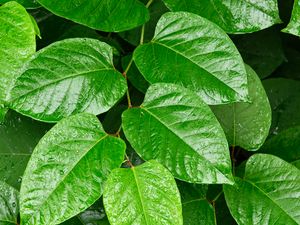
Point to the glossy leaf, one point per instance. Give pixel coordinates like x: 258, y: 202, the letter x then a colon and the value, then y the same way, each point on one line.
x: 234, y: 16
x: 269, y: 193
x: 294, y: 25
x: 262, y: 50
x: 17, y: 44
x: 146, y: 194
x: 18, y: 137
x: 175, y: 127
x: 9, y: 204
x: 30, y: 4
x: 67, y: 169
x: 284, y: 95
x: 196, y: 209
x: 285, y: 145
x: 247, y: 124
x: 105, y: 15
x: 195, y: 53
x: 68, y: 77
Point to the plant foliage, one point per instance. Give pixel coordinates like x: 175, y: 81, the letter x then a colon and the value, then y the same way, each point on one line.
x: 159, y: 112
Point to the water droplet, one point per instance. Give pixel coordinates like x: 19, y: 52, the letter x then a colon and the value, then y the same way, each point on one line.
x: 19, y: 179
x: 14, y: 204
x: 61, y: 172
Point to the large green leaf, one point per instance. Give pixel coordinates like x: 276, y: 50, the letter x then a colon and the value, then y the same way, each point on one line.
x: 9, y: 204
x: 146, y: 194
x: 30, y: 4
x: 17, y: 44
x: 67, y: 169
x: 284, y: 97
x: 294, y: 25
x: 191, y: 51
x: 261, y: 50
x: 247, y: 124
x: 195, y: 207
x: 105, y: 15
x: 18, y: 137
x: 68, y: 77
x: 234, y: 16
x: 175, y: 127
x: 268, y: 193
x: 285, y: 145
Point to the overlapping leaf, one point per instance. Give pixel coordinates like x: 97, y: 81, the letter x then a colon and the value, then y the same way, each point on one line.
x: 234, y: 16
x: 247, y: 124
x: 146, y: 194
x: 105, y: 15
x: 9, y: 204
x: 268, y: 193
x: 294, y: 25
x: 30, y: 4
x: 68, y: 77
x: 66, y: 172
x: 195, y: 53
x: 17, y: 44
x: 175, y: 127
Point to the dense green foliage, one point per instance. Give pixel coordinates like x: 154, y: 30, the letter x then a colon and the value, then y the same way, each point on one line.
x: 159, y: 112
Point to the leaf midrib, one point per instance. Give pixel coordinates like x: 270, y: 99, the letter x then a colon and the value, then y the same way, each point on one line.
x: 265, y: 194
x: 195, y: 63
x: 204, y: 159
x: 140, y: 195
x: 68, y: 172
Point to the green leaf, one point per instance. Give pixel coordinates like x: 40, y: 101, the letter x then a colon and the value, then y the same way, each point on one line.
x: 175, y: 127
x: 247, y: 124
x: 233, y: 16
x: 157, y: 8
x: 105, y: 15
x: 134, y: 76
x: 284, y: 95
x: 9, y: 204
x: 285, y: 145
x: 146, y: 194
x: 18, y: 137
x: 294, y: 25
x: 193, y: 52
x: 29, y: 4
x: 68, y: 77
x: 261, y: 50
x: 67, y: 169
x: 269, y: 193
x: 17, y: 44
x: 195, y: 207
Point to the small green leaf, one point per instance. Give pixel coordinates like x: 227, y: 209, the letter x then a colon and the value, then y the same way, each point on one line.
x: 195, y: 207
x: 284, y: 95
x: 68, y: 77
x: 17, y: 44
x: 195, y: 53
x: 175, y: 127
x: 67, y: 169
x: 234, y: 16
x: 146, y: 194
x: 18, y: 137
x: 9, y: 204
x: 105, y: 15
x: 285, y: 145
x: 269, y: 193
x: 247, y: 124
x: 294, y: 25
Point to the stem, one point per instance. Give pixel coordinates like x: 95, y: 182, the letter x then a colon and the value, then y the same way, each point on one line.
x: 125, y: 75
x: 149, y: 3
x: 142, y: 35
x: 233, y: 159
x: 128, y: 161
x: 218, y: 195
